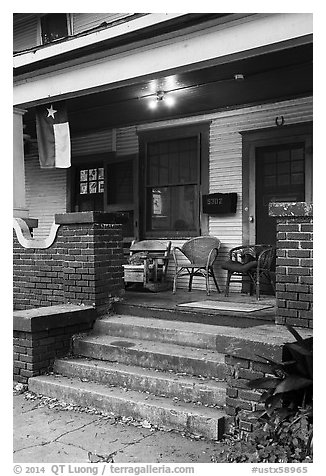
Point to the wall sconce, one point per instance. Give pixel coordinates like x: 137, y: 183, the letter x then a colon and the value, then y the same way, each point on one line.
x: 161, y: 96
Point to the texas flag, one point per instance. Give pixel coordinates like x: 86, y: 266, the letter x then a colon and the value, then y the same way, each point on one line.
x: 53, y: 136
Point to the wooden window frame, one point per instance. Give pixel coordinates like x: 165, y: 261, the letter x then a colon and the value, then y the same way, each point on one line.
x: 201, y: 131
x: 69, y: 23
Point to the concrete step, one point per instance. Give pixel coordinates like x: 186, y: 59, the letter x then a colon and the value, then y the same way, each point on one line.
x: 189, y: 389
x: 159, y: 411
x: 156, y: 355
x: 175, y: 313
x: 262, y: 338
x: 182, y: 333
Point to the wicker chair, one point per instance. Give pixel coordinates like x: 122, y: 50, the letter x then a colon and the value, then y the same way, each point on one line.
x: 254, y: 261
x: 201, y: 252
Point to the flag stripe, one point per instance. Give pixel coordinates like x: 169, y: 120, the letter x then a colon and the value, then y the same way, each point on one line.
x: 62, y: 145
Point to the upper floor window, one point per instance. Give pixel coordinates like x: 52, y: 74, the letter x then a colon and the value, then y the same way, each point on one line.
x: 53, y: 27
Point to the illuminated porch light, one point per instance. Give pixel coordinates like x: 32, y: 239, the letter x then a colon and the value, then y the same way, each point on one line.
x: 170, y: 101
x: 152, y: 104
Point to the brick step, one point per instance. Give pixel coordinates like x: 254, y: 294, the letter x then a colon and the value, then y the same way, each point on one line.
x: 157, y: 355
x: 162, y: 412
x: 189, y: 389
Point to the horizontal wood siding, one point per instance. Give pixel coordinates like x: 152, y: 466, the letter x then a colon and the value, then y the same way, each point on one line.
x: 90, y: 144
x: 45, y: 194
x: 127, y: 141
x: 25, y: 33
x: 87, y: 21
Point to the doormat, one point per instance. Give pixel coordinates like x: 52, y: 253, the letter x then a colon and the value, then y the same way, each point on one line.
x: 226, y: 306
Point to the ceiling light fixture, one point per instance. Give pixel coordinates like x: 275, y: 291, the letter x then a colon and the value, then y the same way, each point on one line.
x: 161, y: 96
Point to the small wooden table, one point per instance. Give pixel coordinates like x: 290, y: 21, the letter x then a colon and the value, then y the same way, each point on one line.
x: 148, y: 261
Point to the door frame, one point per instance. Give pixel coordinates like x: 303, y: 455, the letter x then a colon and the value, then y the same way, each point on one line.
x: 201, y: 130
x: 122, y: 207
x: 87, y: 161
x: 251, y: 140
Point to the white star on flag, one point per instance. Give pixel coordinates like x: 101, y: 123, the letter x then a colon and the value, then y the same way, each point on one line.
x: 51, y: 111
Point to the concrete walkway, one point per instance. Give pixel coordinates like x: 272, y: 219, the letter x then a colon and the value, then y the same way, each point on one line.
x: 48, y: 432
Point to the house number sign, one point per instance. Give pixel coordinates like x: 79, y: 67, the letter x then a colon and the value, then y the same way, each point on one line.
x: 219, y: 203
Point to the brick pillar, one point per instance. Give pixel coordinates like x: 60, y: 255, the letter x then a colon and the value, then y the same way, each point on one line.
x: 92, y: 271
x: 294, y: 282
x: 83, y: 265
x: 247, y: 359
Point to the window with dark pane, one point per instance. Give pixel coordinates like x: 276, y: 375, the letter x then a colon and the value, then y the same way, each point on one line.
x: 53, y: 27
x: 172, y: 185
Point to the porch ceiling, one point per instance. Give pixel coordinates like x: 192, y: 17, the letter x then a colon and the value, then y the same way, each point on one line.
x: 270, y: 76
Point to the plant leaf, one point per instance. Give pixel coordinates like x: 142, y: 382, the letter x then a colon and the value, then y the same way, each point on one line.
x: 294, y: 333
x: 293, y: 382
x: 273, y: 402
x: 300, y: 349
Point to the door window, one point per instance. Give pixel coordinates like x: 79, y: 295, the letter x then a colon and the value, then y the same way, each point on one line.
x: 280, y: 177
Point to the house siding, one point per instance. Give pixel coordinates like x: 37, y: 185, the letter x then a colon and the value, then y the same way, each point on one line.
x: 25, y: 33
x: 94, y: 143
x: 86, y: 21
x: 45, y: 194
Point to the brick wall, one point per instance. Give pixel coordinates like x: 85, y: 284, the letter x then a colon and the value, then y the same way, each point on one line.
x: 41, y: 335
x: 37, y: 275
x: 245, y: 358
x: 245, y: 361
x: 294, y: 281
x: 241, y: 401
x: 83, y: 265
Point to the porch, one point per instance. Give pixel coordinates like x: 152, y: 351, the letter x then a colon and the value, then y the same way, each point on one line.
x: 174, y: 307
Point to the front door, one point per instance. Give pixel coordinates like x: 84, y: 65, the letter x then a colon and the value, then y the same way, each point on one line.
x: 277, y: 167
x: 280, y: 177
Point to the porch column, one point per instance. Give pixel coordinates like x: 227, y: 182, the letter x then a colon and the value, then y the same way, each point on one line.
x: 20, y: 210
x: 294, y: 280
